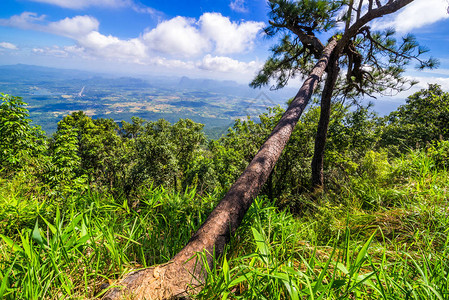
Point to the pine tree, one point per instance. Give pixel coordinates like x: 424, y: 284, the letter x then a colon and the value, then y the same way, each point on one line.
x: 363, y: 63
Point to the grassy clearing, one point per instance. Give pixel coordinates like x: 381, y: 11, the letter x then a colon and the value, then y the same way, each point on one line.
x: 382, y: 235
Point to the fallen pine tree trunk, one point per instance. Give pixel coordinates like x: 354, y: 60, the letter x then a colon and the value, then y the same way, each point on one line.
x: 184, y: 273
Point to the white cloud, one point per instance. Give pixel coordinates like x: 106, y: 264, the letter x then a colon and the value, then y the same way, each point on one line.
x: 238, y: 5
x: 7, y: 45
x: 64, y: 52
x: 417, y: 14
x: 229, y: 37
x: 178, y: 36
x: 227, y: 64
x: 26, y: 20
x: 74, y: 27
x: 425, y: 81
x: 186, y: 37
x: 100, y: 46
x: 132, y: 50
x: 171, y: 63
x: 69, y: 27
x: 51, y: 51
x: 76, y: 50
x: 443, y: 72
x: 84, y: 30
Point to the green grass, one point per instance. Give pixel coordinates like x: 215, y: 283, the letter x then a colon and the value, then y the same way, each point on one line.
x: 94, y: 240
x: 382, y: 235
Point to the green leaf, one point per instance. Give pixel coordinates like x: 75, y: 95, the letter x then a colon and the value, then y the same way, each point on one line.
x: 239, y: 280
x: 83, y: 228
x: 13, y: 245
x: 225, y: 270
x: 261, y: 245
x: 24, y: 237
x: 342, y: 268
x: 361, y: 256
x: 5, y: 280
x: 83, y: 240
x: 36, y: 235
x: 50, y: 226
x: 323, y: 272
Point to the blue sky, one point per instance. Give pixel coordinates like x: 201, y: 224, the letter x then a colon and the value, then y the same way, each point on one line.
x: 207, y: 38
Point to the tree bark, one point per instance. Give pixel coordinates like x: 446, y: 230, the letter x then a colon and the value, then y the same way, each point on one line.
x: 185, y: 272
x: 323, y: 124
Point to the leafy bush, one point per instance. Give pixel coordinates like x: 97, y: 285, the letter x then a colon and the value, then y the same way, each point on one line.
x: 424, y: 118
x: 439, y: 152
x: 20, y: 142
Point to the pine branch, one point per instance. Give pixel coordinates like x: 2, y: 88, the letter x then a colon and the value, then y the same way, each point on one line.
x: 352, y: 31
x: 423, y: 63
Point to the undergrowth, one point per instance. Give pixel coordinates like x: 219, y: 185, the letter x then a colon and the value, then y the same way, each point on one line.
x: 383, y: 234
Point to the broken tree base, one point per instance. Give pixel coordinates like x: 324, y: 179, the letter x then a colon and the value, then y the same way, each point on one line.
x: 167, y: 281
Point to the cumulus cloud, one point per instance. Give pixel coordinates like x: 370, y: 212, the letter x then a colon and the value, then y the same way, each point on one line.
x: 170, y: 63
x: 178, y: 36
x: 417, y: 14
x: 73, y: 27
x: 132, y: 50
x: 69, y: 27
x: 64, y: 52
x: 188, y: 37
x: 8, y: 46
x: 238, y: 5
x: 423, y: 83
x: 229, y: 37
x: 227, y: 64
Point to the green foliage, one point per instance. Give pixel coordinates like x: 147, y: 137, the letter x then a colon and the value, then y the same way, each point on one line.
x: 155, y: 155
x: 103, y: 199
x: 371, y: 62
x: 101, y: 151
x: 376, y: 62
x: 424, y: 118
x: 164, y: 152
x: 294, y: 56
x: 291, y: 175
x: 19, y: 140
x: 72, y: 251
x: 349, y: 266
x: 439, y: 152
x: 65, y: 163
x: 316, y: 15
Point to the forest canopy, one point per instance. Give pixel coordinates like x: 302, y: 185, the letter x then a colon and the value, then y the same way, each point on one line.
x: 122, y: 158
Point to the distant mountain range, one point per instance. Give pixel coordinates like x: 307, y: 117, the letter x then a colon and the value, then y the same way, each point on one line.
x: 32, y: 73
x: 53, y: 93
